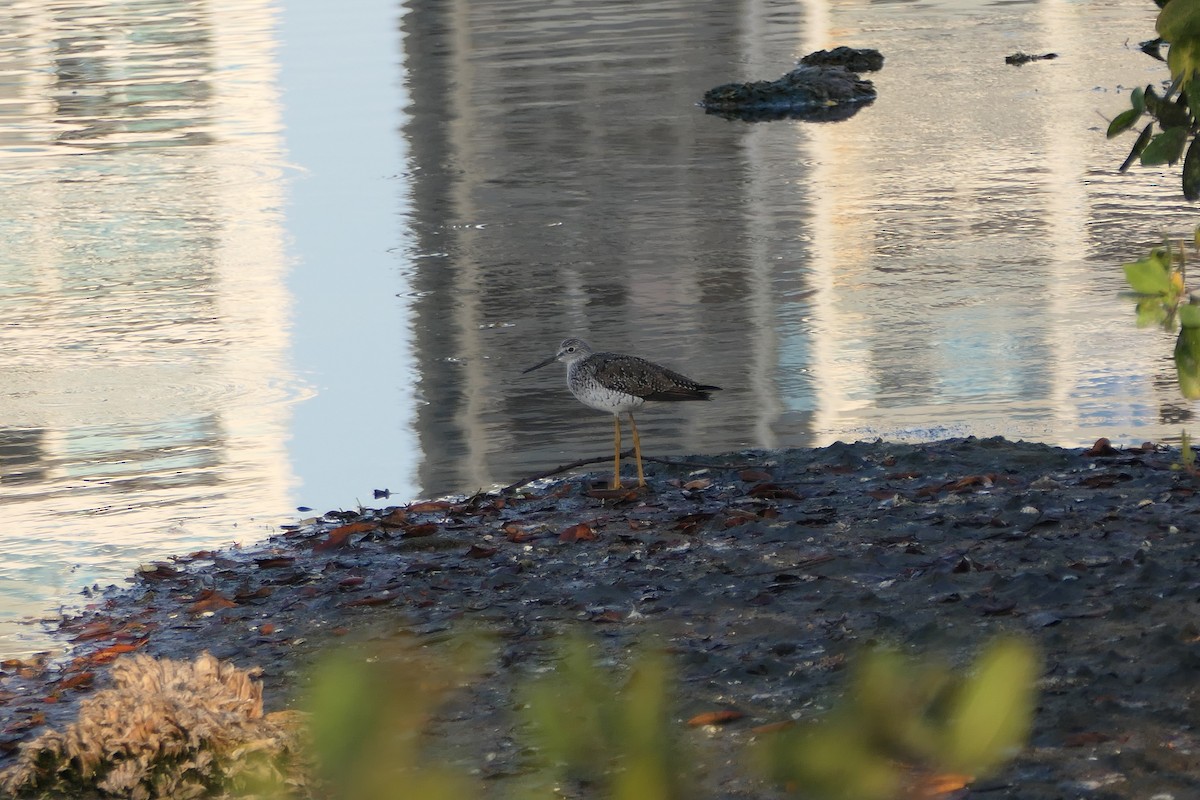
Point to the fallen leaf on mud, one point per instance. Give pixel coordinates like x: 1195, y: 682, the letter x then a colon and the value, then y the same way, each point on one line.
x: 210, y: 600
x: 699, y: 483
x: 339, y: 536
x: 1101, y: 449
x: 395, y: 519
x: 112, y: 651
x: 353, y: 582
x: 429, y: 506
x: 771, y: 491
x: 417, y: 531
x: 340, y: 630
x: 373, y: 600
x: 257, y: 594
x: 690, y: 523
x: 515, y: 532
x: 773, y: 727
x: 479, y: 551
x: 100, y: 629
x: 930, y: 787
x: 609, y: 616
x: 715, y: 718
x: 752, y: 475
x: 272, y: 562
x: 267, y: 628
x: 81, y: 680
x: 985, y: 481
x: 737, y: 516
x: 578, y: 533
x: 158, y: 572
x: 883, y: 494
x: 32, y: 721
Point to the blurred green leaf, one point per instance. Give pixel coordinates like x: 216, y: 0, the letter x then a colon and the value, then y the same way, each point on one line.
x: 830, y: 759
x: 1189, y: 315
x: 903, y: 719
x: 1166, y: 147
x: 1175, y: 114
x: 1187, y: 362
x: 368, y: 712
x: 1152, y: 311
x: 1123, y: 121
x: 1191, y: 171
x: 1184, y: 57
x: 619, y: 734
x: 1150, y: 275
x: 1137, y: 99
x: 1138, y: 146
x: 1179, y: 20
x: 345, y: 713
x: 994, y: 709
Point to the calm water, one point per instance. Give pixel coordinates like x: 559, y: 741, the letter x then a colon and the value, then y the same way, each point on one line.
x: 268, y: 254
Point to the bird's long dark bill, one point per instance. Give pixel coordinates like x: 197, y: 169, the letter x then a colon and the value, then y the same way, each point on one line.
x: 539, y: 366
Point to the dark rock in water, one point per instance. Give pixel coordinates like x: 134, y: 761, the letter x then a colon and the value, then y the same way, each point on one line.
x: 824, y: 87
x: 1019, y: 58
x: 854, y: 59
x: 814, y: 93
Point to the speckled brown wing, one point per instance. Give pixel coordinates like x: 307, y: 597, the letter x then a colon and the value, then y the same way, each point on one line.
x: 645, y: 379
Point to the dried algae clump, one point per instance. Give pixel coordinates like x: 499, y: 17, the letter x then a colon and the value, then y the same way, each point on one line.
x: 164, y: 729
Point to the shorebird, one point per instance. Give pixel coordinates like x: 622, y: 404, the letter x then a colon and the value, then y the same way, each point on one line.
x: 617, y: 383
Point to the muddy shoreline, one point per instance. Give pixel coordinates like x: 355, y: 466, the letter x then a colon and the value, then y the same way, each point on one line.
x: 764, y: 573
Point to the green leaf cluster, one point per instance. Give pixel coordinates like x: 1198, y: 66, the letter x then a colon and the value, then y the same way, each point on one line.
x: 594, y: 726
x: 615, y: 732
x: 1172, y: 113
x: 368, y: 715
x: 900, y: 716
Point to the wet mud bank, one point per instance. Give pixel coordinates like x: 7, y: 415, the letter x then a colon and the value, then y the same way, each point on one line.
x: 764, y: 573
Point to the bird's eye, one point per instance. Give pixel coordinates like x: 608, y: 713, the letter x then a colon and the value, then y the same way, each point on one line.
x: 571, y: 349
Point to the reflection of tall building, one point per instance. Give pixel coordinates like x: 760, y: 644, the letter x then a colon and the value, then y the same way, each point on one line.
x: 146, y: 320
x: 961, y: 253
x: 930, y: 264
x: 543, y: 167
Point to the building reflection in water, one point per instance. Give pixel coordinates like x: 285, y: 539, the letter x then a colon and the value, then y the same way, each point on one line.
x: 145, y: 318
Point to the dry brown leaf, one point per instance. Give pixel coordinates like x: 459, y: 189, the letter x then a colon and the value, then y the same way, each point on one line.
x: 773, y: 727
x: 771, y: 491
x: 715, y: 717
x: 373, y: 600
x: 109, y: 653
x: 429, y: 506
x: 516, y: 533
x: 1102, y: 449
x: 395, y: 519
x: 338, y: 537
x: 931, y: 787
x: 581, y: 532
x: 210, y: 600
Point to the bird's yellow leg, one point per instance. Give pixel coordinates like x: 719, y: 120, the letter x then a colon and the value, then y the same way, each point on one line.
x: 637, y: 450
x: 616, y: 484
